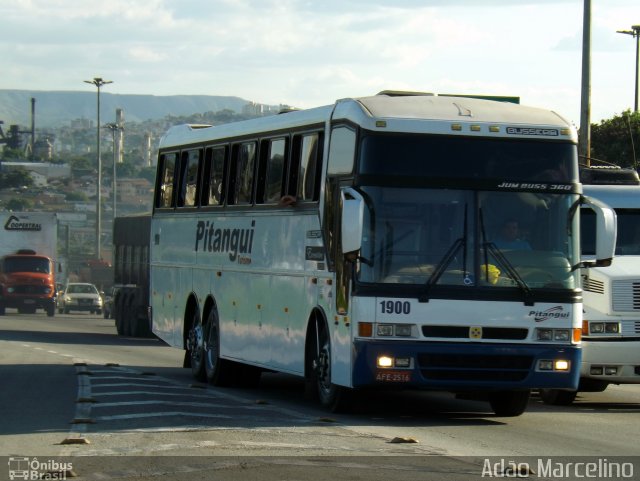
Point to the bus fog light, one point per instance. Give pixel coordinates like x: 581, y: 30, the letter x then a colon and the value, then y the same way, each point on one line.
x: 561, y: 365
x: 403, y: 330
x: 403, y: 362
x: 596, y: 371
x: 545, y: 365
x: 610, y: 370
x: 545, y: 334
x: 385, y: 361
x: 561, y: 335
x: 596, y: 327
x: 384, y: 330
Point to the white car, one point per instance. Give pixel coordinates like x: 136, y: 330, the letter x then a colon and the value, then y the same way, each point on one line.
x: 79, y: 296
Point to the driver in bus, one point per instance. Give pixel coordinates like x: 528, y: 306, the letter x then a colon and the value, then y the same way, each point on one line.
x: 510, y: 237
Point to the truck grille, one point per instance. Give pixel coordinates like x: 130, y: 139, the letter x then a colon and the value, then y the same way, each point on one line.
x: 30, y: 289
x: 626, y: 295
x: 474, y: 367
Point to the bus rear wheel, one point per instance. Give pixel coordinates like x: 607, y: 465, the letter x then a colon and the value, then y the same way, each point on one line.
x: 217, y: 371
x: 195, y: 349
x: 509, y: 403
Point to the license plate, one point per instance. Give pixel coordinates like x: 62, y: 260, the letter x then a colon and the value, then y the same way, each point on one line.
x: 28, y: 301
x: 393, y: 376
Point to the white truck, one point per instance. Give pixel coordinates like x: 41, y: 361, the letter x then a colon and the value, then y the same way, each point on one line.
x: 28, y: 266
x: 611, y: 325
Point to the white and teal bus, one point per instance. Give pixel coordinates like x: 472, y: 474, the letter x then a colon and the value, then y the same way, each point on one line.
x: 356, y: 245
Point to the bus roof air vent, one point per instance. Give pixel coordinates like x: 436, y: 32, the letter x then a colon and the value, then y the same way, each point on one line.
x: 608, y: 175
x: 403, y: 93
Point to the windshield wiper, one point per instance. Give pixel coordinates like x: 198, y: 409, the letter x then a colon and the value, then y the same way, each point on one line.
x: 490, y: 247
x: 441, y: 267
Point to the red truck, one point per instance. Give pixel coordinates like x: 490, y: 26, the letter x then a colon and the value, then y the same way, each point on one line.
x: 27, y: 266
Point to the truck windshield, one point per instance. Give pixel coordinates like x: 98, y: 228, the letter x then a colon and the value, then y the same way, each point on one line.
x: 27, y: 264
x: 628, y: 242
x: 448, y: 237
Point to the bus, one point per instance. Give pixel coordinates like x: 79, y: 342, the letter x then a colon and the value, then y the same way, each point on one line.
x: 611, y: 325
x: 355, y: 245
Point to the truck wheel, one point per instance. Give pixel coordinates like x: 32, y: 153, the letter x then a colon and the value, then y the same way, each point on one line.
x: 51, y: 310
x: 509, y: 403
x: 557, y: 397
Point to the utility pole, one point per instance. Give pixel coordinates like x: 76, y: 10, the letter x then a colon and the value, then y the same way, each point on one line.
x: 584, y: 141
x: 98, y: 82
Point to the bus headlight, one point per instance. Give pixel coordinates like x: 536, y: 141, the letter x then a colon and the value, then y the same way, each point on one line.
x: 384, y: 330
x: 558, y: 335
x: 596, y: 327
x: 403, y: 330
x: 561, y: 334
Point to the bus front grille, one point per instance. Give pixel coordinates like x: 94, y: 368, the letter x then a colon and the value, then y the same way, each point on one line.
x: 455, y: 367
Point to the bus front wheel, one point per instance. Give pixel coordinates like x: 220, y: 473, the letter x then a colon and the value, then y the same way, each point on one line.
x: 509, y: 403
x: 331, y: 396
x: 556, y: 397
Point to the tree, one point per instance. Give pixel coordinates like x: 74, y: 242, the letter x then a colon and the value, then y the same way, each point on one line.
x: 15, y: 178
x: 17, y: 205
x: 617, y: 140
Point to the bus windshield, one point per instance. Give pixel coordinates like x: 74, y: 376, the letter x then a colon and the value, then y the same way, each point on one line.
x: 448, y: 237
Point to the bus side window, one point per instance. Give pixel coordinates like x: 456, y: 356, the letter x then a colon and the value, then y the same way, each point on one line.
x: 166, y: 178
x: 272, y: 173
x: 309, y: 173
x: 189, y: 168
x: 213, y: 183
x: 244, y: 160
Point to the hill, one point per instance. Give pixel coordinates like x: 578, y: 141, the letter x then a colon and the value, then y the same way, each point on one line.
x: 53, y: 108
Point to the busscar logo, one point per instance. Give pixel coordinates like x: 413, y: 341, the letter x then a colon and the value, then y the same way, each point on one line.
x: 556, y: 312
x: 14, y: 223
x: 532, y: 131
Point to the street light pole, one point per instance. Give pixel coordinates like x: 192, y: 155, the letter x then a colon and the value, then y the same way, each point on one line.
x: 635, y: 32
x: 98, y: 82
x: 115, y: 128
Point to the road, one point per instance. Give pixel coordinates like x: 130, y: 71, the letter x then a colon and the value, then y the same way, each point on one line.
x: 74, y: 390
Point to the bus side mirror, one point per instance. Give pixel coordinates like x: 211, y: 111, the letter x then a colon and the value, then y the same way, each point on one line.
x: 606, y: 231
x: 352, y: 220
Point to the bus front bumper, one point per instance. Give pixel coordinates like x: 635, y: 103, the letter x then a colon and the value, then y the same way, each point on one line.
x: 466, y: 366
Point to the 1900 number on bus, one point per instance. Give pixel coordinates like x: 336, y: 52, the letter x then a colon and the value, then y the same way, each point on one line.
x: 395, y: 307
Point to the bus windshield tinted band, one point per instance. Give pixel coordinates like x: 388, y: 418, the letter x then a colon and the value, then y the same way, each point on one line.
x: 469, y: 158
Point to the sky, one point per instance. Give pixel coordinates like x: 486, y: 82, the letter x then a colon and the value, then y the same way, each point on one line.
x: 307, y: 53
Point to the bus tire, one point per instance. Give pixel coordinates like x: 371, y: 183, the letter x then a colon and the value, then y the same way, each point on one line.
x: 218, y: 372
x: 509, y: 403
x: 331, y: 396
x: 195, y: 347
x: 557, y: 397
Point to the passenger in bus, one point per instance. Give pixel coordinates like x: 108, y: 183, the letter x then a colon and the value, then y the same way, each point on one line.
x: 510, y: 237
